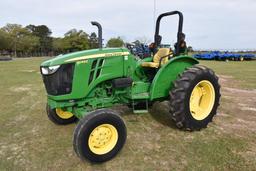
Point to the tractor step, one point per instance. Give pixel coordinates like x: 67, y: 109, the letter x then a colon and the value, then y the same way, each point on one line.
x: 140, y: 96
x: 140, y: 106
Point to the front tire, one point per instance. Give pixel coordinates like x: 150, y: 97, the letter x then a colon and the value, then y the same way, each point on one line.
x: 195, y: 98
x: 99, y: 136
x: 59, y: 116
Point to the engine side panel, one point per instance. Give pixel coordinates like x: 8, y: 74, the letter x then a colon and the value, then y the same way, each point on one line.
x: 89, y: 73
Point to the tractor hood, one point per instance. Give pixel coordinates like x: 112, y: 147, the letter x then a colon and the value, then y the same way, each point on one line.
x: 84, y: 55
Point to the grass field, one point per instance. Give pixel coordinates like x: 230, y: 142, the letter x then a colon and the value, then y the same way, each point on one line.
x: 243, y: 72
x: 29, y: 141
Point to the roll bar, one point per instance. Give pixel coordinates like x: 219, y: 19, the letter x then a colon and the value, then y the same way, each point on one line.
x: 158, y: 38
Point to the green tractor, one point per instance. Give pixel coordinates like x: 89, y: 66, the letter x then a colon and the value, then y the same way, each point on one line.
x: 83, y: 85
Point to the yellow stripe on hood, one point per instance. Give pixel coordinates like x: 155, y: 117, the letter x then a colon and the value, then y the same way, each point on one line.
x: 98, y: 56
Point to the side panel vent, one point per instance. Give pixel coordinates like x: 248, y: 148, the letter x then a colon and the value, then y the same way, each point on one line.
x: 94, y: 64
x: 91, y: 77
x: 96, y: 69
x: 101, y: 62
x: 98, y: 72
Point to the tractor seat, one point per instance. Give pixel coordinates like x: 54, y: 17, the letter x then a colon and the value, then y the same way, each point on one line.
x: 162, y: 52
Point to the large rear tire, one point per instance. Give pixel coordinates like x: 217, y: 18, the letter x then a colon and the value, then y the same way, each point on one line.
x: 99, y: 136
x: 195, y: 98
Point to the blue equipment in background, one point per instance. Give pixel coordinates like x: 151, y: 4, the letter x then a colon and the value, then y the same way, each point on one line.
x: 217, y: 55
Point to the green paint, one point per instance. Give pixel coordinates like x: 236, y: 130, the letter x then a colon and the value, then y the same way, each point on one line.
x: 92, y: 87
x: 163, y: 81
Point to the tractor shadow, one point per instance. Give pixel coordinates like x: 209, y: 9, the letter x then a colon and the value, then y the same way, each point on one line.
x: 160, y: 112
x: 123, y: 110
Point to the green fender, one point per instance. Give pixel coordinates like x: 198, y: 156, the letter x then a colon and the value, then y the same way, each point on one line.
x: 167, y: 74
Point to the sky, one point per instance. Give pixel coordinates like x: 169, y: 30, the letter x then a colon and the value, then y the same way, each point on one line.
x: 218, y: 24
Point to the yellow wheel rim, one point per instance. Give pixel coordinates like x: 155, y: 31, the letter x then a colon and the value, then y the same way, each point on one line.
x: 202, y: 100
x: 63, y: 114
x: 103, y: 139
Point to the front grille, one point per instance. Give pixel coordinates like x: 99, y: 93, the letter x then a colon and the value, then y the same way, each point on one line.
x: 60, y: 82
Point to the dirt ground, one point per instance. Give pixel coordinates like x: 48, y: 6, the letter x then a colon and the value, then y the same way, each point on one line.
x: 238, y: 106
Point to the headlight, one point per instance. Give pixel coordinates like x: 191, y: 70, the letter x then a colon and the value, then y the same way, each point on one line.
x: 49, y: 70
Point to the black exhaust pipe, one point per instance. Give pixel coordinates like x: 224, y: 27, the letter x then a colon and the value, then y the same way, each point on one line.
x: 99, y: 32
